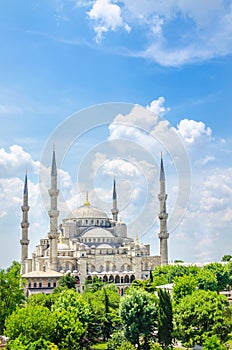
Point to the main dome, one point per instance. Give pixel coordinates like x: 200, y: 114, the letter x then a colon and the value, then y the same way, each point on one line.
x: 88, y: 212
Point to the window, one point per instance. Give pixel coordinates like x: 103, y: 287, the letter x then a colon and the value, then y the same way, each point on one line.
x: 40, y: 284
x: 35, y: 285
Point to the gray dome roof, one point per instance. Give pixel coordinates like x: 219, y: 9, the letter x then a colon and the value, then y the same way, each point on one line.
x: 88, y: 212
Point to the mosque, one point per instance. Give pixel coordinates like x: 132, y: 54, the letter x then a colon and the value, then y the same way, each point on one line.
x: 88, y: 244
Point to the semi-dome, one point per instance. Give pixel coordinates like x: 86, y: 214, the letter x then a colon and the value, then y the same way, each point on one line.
x: 97, y: 232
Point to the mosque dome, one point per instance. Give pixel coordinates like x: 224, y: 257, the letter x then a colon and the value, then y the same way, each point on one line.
x: 87, y: 211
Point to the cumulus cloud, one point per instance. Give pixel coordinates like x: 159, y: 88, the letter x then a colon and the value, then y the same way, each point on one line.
x: 193, y: 131
x: 106, y: 16
x: 16, y: 160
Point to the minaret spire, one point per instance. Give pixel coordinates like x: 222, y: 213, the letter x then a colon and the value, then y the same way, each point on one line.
x: 24, y: 225
x: 114, y: 209
x: 53, y: 214
x: 163, y: 215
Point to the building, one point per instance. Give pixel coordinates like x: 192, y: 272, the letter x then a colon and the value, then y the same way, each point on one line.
x: 87, y: 244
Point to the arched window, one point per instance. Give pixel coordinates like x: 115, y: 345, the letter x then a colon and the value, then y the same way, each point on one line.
x: 117, y: 279
x: 132, y: 278
x: 111, y: 279
x: 126, y: 279
x: 105, y: 279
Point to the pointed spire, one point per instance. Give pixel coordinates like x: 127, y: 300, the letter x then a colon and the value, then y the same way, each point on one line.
x: 54, y: 169
x: 25, y: 191
x: 87, y: 204
x: 114, y: 190
x: 162, y: 173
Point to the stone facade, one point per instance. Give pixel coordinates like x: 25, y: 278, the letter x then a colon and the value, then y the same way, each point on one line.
x: 87, y: 244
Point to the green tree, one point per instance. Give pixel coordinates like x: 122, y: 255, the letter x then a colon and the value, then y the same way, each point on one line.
x: 206, y: 280
x: 72, y: 301
x: 226, y: 257
x: 67, y: 281
x: 31, y: 322
x: 104, y: 305
x: 165, y: 323
x: 183, y: 286
x: 221, y: 274
x: 69, y: 332
x: 203, y: 313
x: 11, y: 292
x: 138, y: 314
x: 213, y: 343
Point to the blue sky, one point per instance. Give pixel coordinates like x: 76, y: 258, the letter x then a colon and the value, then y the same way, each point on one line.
x: 60, y: 57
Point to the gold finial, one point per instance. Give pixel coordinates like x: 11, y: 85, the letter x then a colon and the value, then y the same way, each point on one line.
x: 86, y: 204
x: 137, y: 239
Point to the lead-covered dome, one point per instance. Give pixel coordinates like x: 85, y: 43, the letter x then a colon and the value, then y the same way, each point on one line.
x: 88, y: 212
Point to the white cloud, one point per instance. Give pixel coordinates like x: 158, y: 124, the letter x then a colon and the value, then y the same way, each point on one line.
x: 106, y: 16
x: 157, y: 106
x: 15, y: 161
x: 175, y: 32
x: 193, y: 131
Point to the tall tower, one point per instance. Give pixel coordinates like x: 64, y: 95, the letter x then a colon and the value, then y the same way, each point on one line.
x: 163, y: 215
x: 53, y: 214
x: 114, y: 210
x: 24, y: 224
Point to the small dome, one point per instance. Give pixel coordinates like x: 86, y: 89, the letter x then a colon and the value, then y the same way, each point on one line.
x: 62, y: 246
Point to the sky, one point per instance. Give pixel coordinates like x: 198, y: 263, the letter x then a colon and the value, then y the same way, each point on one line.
x: 112, y: 84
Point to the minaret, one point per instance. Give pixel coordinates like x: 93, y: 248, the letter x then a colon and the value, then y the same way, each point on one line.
x: 163, y: 234
x: 24, y: 224
x: 53, y: 214
x: 114, y: 210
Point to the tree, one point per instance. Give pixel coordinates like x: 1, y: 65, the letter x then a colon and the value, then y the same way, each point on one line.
x: 206, y: 280
x: 11, y: 292
x: 165, y: 325
x: 203, y: 313
x: 138, y: 314
x: 69, y: 332
x: 30, y: 323
x: 183, y: 286
x: 67, y: 281
x: 226, y: 257
x: 72, y: 301
x: 221, y: 274
x: 104, y: 305
x: 213, y: 343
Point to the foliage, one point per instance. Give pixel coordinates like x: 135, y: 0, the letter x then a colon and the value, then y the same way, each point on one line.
x: 154, y: 346
x: 11, y: 292
x: 71, y: 301
x: 126, y: 345
x: 40, y: 299
x: 183, y: 286
x: 206, y: 280
x: 116, y: 340
x: 221, y: 274
x: 226, y: 257
x: 94, y: 285
x: 104, y: 305
x: 67, y: 281
x: 203, y: 313
x: 138, y: 314
x: 165, y: 325
x: 212, y: 343
x: 33, y: 322
x: 69, y: 332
